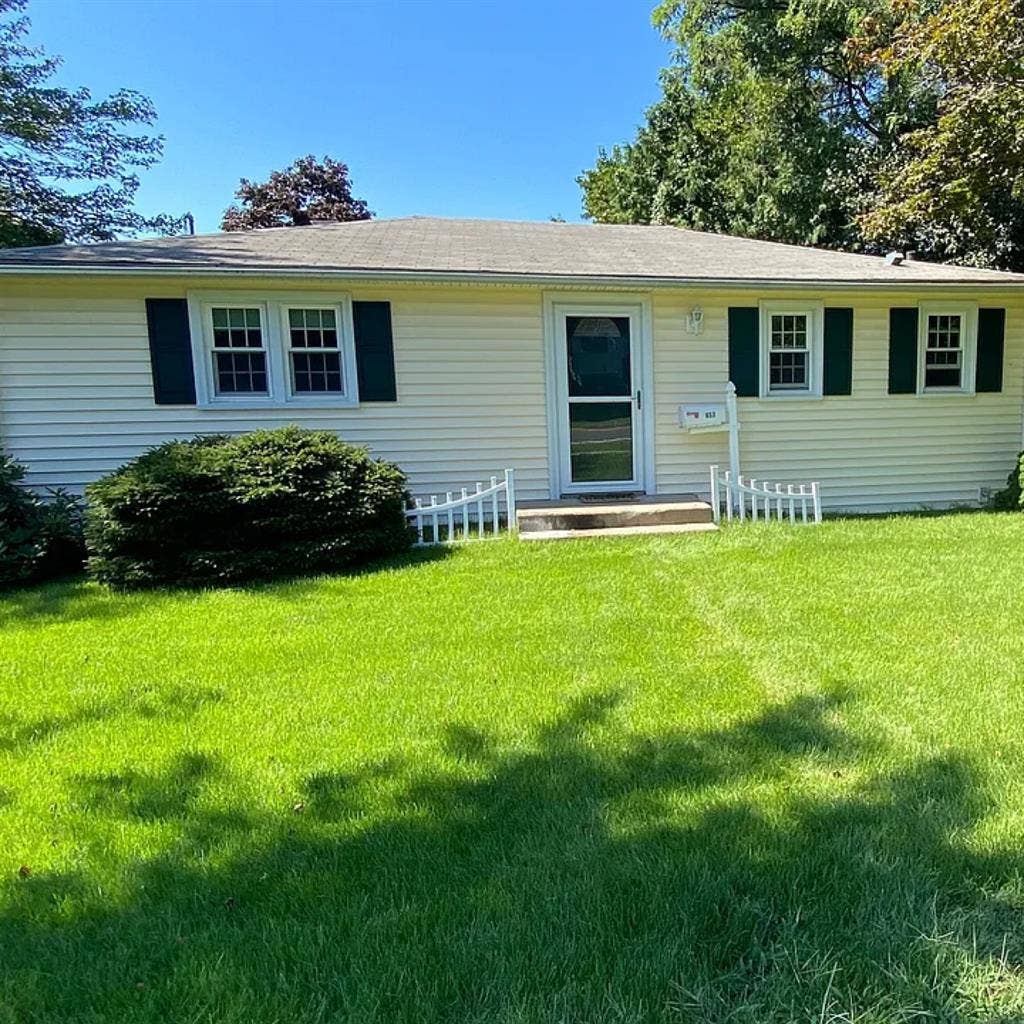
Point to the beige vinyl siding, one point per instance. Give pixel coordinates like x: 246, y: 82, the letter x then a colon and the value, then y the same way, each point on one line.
x: 871, y: 451
x: 76, y: 396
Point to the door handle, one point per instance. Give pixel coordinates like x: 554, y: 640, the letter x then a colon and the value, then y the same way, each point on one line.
x: 639, y: 400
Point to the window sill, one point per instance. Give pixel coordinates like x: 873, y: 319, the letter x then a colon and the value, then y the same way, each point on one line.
x: 946, y: 393
x: 778, y: 396
x: 252, y: 404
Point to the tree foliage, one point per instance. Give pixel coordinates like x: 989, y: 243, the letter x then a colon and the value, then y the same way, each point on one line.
x: 956, y: 184
x: 68, y: 162
x: 307, y: 191
x: 806, y: 121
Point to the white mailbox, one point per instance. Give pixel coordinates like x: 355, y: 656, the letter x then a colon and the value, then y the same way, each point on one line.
x: 697, y: 417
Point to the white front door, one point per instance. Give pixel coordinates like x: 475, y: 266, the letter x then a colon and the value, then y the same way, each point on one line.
x: 598, y: 363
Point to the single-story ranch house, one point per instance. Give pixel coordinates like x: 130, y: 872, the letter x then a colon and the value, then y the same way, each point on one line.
x: 459, y: 347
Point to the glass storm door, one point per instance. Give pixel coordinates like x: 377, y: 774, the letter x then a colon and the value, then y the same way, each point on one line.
x: 602, y: 399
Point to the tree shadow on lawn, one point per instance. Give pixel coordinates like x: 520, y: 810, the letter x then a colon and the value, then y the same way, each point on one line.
x: 165, y: 702
x: 595, y: 875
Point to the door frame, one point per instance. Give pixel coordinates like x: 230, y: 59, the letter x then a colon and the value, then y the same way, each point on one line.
x: 636, y: 306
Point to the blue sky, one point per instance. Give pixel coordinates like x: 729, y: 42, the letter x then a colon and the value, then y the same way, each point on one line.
x: 469, y: 108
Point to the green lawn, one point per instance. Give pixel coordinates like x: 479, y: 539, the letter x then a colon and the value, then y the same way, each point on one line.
x: 768, y: 775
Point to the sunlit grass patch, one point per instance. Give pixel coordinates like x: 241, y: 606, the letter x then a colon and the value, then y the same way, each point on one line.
x: 771, y: 774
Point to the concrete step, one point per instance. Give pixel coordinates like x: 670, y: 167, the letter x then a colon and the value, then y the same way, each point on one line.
x: 617, y: 531
x: 573, y: 514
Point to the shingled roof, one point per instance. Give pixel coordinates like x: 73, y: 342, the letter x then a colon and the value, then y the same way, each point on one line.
x: 513, y: 250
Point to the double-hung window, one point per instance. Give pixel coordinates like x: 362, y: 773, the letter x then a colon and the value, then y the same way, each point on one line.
x: 239, y: 350
x: 946, y: 344
x: 791, y: 342
x: 314, y: 352
x: 273, y: 349
x: 789, y: 357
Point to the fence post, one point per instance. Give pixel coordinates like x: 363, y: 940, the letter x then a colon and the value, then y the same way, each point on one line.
x: 510, y: 500
x: 716, y: 512
x: 816, y: 495
x: 732, y: 413
x: 419, y: 521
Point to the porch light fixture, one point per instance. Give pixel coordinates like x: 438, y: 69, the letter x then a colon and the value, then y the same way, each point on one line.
x: 695, y: 321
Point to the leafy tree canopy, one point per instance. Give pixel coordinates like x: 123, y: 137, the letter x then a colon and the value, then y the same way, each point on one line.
x: 831, y: 122
x: 307, y: 191
x: 67, y: 162
x: 955, y: 185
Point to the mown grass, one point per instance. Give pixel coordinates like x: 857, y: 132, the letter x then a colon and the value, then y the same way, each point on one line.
x: 768, y: 775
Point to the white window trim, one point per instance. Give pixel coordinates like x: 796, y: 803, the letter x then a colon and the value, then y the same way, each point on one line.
x: 273, y: 307
x: 815, y: 313
x: 968, y: 312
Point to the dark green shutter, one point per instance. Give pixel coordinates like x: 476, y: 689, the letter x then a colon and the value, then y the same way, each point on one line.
x: 991, y: 333
x: 903, y: 350
x: 170, y: 352
x: 744, y: 350
x: 838, y: 351
x: 375, y: 351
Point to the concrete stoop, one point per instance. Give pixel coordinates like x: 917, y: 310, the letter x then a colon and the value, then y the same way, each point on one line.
x: 651, y: 514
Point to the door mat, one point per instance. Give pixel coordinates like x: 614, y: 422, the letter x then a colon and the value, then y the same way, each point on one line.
x: 610, y: 496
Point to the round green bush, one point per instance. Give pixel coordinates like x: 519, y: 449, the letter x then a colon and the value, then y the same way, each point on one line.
x: 1011, y: 497
x: 39, y: 537
x: 221, y: 509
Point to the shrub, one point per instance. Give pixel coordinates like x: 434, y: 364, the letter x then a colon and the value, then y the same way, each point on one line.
x: 39, y: 538
x: 1011, y: 497
x: 220, y: 509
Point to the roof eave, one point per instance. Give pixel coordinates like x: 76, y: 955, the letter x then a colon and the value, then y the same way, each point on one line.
x: 492, y: 277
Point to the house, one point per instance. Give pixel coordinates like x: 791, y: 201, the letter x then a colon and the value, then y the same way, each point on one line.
x: 459, y: 347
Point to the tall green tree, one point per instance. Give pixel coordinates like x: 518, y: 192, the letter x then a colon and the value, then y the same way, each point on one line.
x: 68, y: 163
x: 794, y: 120
x: 955, y: 186
x: 307, y: 191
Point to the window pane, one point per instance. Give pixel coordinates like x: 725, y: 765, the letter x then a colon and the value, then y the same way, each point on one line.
x: 942, y: 377
x: 944, y: 331
x: 598, y: 356
x: 230, y: 331
x: 601, y: 441
x: 316, y: 372
x: 788, y: 331
x: 306, y: 330
x: 240, y: 372
x: 788, y: 371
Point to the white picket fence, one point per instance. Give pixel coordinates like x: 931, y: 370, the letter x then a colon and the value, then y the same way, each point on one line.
x: 769, y: 501
x: 469, y: 515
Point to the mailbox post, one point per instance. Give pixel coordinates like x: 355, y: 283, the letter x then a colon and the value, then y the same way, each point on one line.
x: 708, y: 418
